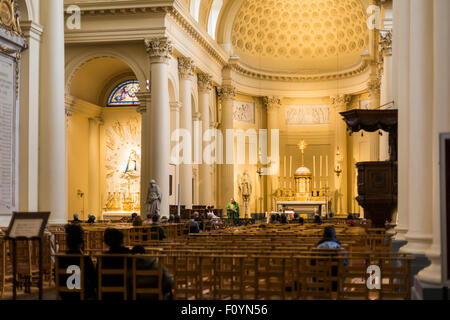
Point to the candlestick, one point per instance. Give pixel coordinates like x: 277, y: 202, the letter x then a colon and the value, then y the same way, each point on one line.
x: 285, y: 166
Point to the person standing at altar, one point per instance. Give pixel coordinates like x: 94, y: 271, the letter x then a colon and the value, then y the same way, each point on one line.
x: 233, y: 212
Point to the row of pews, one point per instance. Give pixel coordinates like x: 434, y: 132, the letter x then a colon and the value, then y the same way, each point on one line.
x: 252, y: 262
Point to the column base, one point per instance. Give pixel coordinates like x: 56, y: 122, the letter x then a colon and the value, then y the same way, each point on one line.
x: 397, y: 244
x: 421, y: 262
x: 428, y: 291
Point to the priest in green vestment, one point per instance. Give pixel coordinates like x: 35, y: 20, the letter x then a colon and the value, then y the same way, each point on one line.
x: 233, y: 212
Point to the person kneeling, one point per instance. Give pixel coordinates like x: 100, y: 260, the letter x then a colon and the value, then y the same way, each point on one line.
x: 149, y: 263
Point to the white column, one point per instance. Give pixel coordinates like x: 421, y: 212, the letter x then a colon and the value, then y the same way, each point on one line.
x: 145, y: 100
x: 420, y: 131
x: 159, y: 51
x: 339, y: 104
x: 374, y: 96
x: 186, y: 69
x: 52, y: 116
x: 204, y: 89
x: 94, y: 168
x: 273, y: 105
x: 29, y: 116
x: 441, y: 123
x: 227, y: 95
x: 401, y: 55
x: 386, y: 88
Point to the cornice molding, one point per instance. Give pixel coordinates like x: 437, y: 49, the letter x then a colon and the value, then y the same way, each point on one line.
x: 261, y: 75
x: 73, y: 104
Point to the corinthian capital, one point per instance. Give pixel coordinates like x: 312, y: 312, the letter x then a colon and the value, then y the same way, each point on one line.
x: 186, y: 67
x: 272, y: 103
x: 386, y: 42
x: 159, y: 49
x: 227, y: 92
x: 204, y: 81
x: 340, y: 100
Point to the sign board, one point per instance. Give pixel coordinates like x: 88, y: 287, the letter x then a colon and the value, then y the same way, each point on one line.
x: 444, y: 152
x: 27, y: 225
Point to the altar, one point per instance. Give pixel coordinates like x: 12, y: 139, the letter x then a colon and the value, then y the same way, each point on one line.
x: 310, y: 208
x: 305, y: 199
x: 115, y: 215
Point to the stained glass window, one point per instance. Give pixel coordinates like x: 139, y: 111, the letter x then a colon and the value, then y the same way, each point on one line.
x: 124, y: 94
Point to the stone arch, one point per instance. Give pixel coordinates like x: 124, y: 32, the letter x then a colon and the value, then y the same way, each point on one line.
x: 27, y: 10
x: 76, y: 64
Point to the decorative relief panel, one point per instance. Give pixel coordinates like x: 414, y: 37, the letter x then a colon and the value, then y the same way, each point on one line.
x: 364, y: 104
x: 307, y: 115
x: 123, y: 165
x: 244, y: 112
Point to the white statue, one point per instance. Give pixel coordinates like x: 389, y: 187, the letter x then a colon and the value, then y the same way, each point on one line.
x: 245, y: 189
x: 154, y: 197
x: 245, y: 186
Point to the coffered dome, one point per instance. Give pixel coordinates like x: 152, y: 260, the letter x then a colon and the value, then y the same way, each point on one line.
x: 307, y: 36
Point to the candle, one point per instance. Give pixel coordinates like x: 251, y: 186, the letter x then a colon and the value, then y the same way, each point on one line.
x: 290, y: 166
x: 314, y: 166
x: 321, y: 166
x: 285, y: 166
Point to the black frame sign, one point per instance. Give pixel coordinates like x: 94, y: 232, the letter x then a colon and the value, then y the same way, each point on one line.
x: 445, y: 206
x: 27, y: 225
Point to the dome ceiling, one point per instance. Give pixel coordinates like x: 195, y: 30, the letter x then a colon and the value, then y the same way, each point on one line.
x: 306, y: 36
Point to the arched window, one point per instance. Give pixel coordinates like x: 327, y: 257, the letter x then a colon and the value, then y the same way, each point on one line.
x: 213, y: 16
x: 195, y: 9
x: 124, y: 94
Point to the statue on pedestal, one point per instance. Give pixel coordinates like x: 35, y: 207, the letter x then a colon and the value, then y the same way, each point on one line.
x: 154, y: 197
x: 245, y: 189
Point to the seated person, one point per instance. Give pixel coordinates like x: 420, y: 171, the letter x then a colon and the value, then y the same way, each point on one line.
x: 295, y: 218
x: 329, y: 240
x: 76, y: 218
x: 301, y: 220
x: 75, y: 244
x: 133, y: 216
x: 273, y: 219
x: 199, y: 220
x: 147, y: 263
x: 283, y: 218
x: 317, y: 219
x: 193, y: 225
x: 156, y: 227
x: 214, y: 220
x: 148, y: 220
x: 164, y: 220
x: 351, y: 221
x: 91, y: 218
x: 114, y: 240
x: 137, y: 222
x: 171, y: 219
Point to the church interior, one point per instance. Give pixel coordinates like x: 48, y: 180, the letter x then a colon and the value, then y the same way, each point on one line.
x: 236, y: 137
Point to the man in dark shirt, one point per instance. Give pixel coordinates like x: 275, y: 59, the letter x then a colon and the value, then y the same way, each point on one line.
x: 75, y: 244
